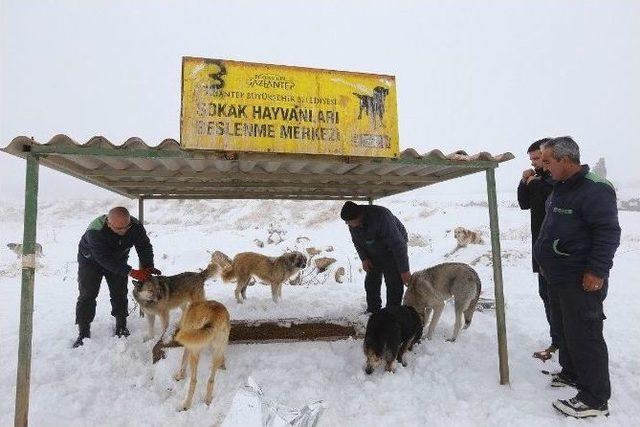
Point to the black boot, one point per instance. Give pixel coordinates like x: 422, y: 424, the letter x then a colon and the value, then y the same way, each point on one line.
x: 121, y: 327
x: 84, y: 331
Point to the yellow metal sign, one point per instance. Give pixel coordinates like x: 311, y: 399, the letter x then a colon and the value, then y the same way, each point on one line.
x: 240, y: 106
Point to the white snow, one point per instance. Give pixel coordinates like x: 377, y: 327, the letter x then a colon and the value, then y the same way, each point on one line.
x: 112, y: 382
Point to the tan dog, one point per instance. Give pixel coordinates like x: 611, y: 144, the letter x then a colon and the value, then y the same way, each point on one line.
x: 465, y: 237
x: 271, y: 270
x: 429, y: 290
x: 204, y: 325
x: 160, y: 294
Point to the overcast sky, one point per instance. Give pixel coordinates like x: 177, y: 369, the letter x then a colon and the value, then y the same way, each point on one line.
x: 474, y: 75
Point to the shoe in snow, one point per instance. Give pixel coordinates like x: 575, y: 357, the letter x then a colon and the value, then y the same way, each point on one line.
x: 576, y: 408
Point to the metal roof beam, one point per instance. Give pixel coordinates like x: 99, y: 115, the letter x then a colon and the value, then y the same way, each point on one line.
x: 187, y: 154
x: 264, y: 177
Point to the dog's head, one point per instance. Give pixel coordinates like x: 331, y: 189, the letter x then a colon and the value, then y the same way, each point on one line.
x: 297, y: 259
x: 15, y: 248
x: 461, y: 234
x: 373, y: 360
x: 412, y: 298
x: 147, y: 292
x: 380, y: 91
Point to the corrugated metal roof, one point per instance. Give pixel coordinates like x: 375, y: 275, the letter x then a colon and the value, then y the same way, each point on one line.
x: 135, y: 169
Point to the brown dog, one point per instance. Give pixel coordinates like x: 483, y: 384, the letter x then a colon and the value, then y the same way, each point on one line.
x: 271, y: 270
x: 205, y: 324
x: 160, y: 294
x: 464, y: 237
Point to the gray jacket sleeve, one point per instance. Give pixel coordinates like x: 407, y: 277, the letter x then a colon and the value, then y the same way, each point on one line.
x: 144, y: 248
x: 601, y: 216
x: 101, y: 255
x: 362, y: 254
x: 393, y: 234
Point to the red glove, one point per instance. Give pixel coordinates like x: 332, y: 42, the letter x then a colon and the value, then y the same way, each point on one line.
x: 140, y: 275
x: 152, y: 270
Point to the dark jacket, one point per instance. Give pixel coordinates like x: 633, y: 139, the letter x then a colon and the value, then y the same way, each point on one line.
x: 381, y: 235
x: 111, y: 251
x: 580, y: 232
x: 533, y: 196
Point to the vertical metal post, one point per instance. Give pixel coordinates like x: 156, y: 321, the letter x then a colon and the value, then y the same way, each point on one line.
x: 370, y: 200
x: 141, y: 219
x: 141, y: 209
x: 503, y: 356
x: 23, y: 377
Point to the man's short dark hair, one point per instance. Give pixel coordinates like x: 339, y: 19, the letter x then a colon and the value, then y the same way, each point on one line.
x: 536, y: 145
x: 563, y: 146
x: 350, y: 211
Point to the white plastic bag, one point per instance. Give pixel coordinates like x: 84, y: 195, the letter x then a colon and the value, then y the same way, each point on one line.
x: 250, y: 408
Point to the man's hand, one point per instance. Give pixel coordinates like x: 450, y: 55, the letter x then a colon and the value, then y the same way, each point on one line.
x: 527, y: 174
x: 591, y: 282
x: 532, y: 178
x: 152, y: 271
x: 367, y: 265
x: 405, y: 277
x: 140, y: 275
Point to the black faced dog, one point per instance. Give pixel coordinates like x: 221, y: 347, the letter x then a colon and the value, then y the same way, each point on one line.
x: 373, y: 105
x: 390, y: 333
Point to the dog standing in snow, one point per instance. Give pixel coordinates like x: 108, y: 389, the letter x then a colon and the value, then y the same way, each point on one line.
x: 391, y: 331
x: 429, y: 290
x: 204, y: 325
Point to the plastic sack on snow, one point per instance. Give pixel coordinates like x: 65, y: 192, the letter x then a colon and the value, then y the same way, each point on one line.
x: 250, y: 408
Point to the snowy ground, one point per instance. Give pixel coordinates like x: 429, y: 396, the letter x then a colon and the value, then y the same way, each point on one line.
x: 112, y: 382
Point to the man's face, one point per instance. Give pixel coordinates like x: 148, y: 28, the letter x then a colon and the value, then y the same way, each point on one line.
x: 557, y: 168
x: 536, y: 159
x: 356, y: 222
x: 119, y: 224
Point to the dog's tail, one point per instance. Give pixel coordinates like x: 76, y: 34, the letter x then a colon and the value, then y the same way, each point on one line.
x: 359, y: 95
x: 468, y: 313
x: 223, y: 266
x: 229, y: 273
x: 197, y: 335
x: 213, y: 269
x: 204, y: 322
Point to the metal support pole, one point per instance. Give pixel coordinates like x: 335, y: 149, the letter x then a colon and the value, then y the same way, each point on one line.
x: 141, y: 209
x: 503, y: 356
x: 23, y: 377
x: 370, y: 200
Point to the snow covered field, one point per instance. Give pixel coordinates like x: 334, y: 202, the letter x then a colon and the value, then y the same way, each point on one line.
x: 112, y: 382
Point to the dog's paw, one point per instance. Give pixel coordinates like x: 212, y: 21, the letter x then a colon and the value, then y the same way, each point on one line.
x: 178, y: 376
x: 147, y: 338
x: 183, y: 407
x: 450, y: 340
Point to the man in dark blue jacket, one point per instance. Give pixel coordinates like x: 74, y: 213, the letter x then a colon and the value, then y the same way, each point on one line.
x: 381, y: 242
x: 103, y: 251
x: 534, y: 188
x: 575, y: 250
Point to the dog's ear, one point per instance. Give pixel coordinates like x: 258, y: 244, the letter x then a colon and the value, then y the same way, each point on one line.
x: 137, y: 284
